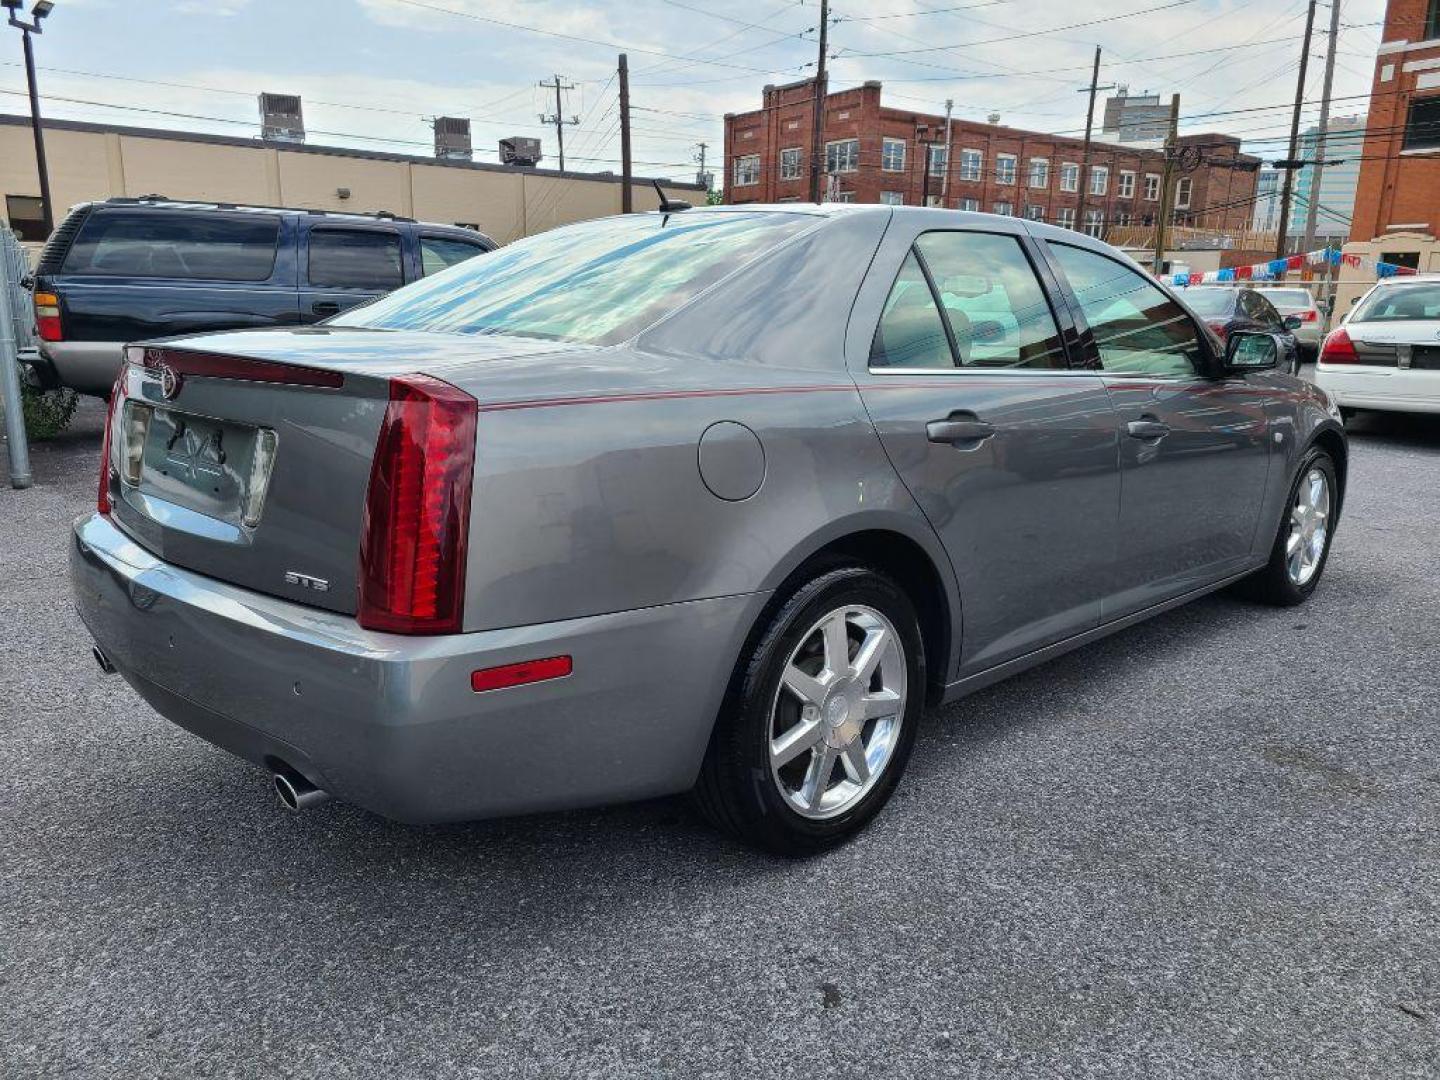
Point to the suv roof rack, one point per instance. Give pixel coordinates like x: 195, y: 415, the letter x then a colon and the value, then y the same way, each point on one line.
x: 151, y: 200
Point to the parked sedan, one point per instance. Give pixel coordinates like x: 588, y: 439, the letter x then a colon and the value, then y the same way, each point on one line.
x: 1301, y: 304
x: 1386, y: 355
x: 1227, y: 309
x: 711, y: 501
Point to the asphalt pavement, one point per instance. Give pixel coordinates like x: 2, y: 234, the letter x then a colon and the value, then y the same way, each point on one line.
x: 1206, y: 847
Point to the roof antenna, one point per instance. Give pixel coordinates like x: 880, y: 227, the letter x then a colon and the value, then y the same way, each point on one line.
x: 667, y: 204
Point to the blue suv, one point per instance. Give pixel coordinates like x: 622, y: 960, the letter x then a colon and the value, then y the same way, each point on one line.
x: 131, y: 269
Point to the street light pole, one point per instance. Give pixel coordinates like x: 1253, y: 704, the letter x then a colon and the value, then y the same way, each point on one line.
x: 41, y: 9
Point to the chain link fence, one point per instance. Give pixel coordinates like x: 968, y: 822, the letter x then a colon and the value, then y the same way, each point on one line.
x: 16, y: 333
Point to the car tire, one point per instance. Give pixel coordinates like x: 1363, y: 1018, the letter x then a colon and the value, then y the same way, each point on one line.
x: 1347, y: 413
x: 1289, y: 579
x: 797, y: 771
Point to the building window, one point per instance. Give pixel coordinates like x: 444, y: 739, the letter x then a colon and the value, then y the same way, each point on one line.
x: 26, y: 214
x: 1422, y: 126
x: 1005, y: 168
x: 892, y: 198
x: 1152, y: 187
x: 747, y: 170
x: 844, y: 196
x: 972, y: 205
x: 1127, y: 185
x: 1099, y: 179
x: 1039, y: 172
x: 790, y: 163
x: 1069, y: 176
x: 892, y: 155
x: 1182, y: 193
x: 842, y: 156
x: 1004, y: 209
x: 972, y: 163
x: 937, y: 159
x: 1035, y: 213
x: 1122, y: 217
x: 1094, y: 223
x: 933, y: 200
x: 1065, y: 217
x: 1432, y: 21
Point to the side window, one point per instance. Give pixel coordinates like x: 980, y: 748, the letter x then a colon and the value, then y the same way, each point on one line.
x: 911, y: 333
x: 355, y: 259
x: 1266, y: 313
x: 995, y: 305
x: 180, y: 245
x: 437, y: 253
x: 1137, y: 327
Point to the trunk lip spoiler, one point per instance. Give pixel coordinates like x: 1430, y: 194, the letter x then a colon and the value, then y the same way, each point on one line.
x: 174, y: 365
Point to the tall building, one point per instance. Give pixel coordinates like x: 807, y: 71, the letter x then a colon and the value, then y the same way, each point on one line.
x: 1345, y: 143
x: 1267, y: 202
x: 1134, y: 118
x: 874, y: 153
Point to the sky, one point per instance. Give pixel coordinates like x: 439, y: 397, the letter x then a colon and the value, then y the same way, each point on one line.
x: 372, y: 72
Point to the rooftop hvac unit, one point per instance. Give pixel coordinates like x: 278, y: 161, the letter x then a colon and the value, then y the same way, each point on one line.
x: 452, y: 138
x: 280, y: 118
x: 519, y: 151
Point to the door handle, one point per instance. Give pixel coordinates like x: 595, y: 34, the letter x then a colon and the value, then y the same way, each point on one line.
x: 954, y: 429
x: 325, y: 307
x: 1147, y: 429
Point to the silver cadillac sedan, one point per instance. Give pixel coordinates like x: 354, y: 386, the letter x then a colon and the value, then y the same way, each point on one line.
x: 706, y: 500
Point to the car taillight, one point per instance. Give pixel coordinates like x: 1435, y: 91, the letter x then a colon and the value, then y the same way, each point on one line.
x: 417, y: 510
x: 1309, y: 316
x: 1338, y: 348
x: 117, y: 402
x: 47, y: 317
x: 1223, y: 329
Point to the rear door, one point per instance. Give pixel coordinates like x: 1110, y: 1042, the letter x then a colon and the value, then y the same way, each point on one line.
x: 1194, y: 449
x: 1011, y: 453
x: 346, y: 265
x: 135, y: 273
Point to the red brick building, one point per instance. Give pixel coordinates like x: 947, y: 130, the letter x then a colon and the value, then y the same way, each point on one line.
x: 1399, y: 186
x: 872, y: 154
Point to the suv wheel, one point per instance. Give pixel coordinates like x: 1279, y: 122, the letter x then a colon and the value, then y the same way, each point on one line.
x: 819, y: 725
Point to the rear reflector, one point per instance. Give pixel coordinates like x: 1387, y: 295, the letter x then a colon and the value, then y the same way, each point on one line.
x: 217, y: 366
x: 1338, y: 348
x: 417, y: 510
x: 531, y: 671
x: 47, y: 317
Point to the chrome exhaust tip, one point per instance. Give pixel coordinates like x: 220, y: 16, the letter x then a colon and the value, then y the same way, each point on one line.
x: 296, y: 793
x: 104, y: 661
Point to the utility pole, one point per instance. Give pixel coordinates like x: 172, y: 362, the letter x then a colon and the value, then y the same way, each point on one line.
x: 1094, y: 88
x: 626, y: 203
x: 817, y: 127
x: 559, y: 118
x: 1317, y: 166
x: 37, y: 13
x: 945, y: 177
x: 1286, y: 190
x: 1167, y: 182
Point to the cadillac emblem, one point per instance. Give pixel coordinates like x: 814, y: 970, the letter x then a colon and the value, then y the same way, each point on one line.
x: 169, y: 382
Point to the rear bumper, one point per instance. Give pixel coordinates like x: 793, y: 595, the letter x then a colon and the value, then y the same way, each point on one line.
x: 87, y: 366
x: 389, y: 722
x: 1390, y: 389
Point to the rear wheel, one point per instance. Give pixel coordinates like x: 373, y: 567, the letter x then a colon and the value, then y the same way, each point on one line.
x: 1303, y: 543
x: 820, y: 722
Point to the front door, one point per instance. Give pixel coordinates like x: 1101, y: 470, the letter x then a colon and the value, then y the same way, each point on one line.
x: 1009, y: 452
x: 1195, y: 448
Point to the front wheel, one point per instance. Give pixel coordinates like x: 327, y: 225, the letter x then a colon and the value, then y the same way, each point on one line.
x: 820, y: 722
x: 1303, y: 543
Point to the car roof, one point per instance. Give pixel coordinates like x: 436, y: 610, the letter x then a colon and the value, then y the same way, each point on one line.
x: 157, y: 202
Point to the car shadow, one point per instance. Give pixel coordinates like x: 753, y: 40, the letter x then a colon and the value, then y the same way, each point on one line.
x: 1418, y: 431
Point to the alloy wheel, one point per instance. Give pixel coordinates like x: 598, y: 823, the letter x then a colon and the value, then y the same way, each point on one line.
x: 1309, y: 527
x: 836, y: 717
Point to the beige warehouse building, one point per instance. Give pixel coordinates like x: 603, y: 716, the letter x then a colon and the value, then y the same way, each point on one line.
x: 97, y: 161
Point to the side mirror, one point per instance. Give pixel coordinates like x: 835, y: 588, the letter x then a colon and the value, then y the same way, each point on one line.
x: 1292, y: 322
x: 1251, y: 352
x: 27, y: 282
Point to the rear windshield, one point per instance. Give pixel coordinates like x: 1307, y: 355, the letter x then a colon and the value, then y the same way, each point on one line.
x: 1397, y: 304
x: 1208, y: 302
x: 1288, y: 299
x: 600, y: 282
x: 190, y: 246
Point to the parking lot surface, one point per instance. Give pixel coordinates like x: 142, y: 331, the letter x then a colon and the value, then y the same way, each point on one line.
x: 1207, y: 846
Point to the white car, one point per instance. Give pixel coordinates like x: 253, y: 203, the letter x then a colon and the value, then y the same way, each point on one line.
x: 1386, y: 354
